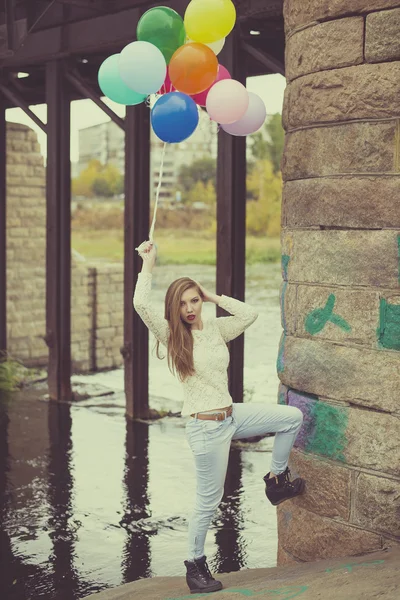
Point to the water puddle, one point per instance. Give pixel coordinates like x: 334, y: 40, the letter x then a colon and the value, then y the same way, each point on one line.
x: 90, y: 500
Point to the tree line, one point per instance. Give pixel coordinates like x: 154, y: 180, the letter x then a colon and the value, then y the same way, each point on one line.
x: 197, y: 181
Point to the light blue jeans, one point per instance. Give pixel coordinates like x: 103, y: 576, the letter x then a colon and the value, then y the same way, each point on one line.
x: 210, y: 443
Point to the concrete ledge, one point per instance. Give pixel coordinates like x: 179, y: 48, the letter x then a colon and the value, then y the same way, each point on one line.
x: 357, y: 578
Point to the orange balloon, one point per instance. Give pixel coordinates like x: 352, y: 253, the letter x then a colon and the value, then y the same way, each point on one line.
x: 193, y: 68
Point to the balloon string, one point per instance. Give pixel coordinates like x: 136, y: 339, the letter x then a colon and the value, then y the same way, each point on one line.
x: 151, y: 233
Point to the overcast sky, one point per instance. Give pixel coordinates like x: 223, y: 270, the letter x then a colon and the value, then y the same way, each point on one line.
x: 85, y: 113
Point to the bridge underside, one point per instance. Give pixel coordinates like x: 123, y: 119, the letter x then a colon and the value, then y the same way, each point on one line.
x: 60, y: 44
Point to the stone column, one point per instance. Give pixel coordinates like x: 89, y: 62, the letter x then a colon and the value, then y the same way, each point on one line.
x: 26, y: 259
x: 26, y: 246
x: 339, y: 359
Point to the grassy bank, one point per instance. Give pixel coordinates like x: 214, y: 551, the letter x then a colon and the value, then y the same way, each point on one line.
x: 174, y: 247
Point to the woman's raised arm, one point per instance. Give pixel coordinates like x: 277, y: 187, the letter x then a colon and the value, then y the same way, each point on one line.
x: 142, y: 296
x: 243, y: 315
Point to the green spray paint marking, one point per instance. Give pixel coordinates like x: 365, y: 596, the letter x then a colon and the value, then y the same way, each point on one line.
x: 318, y: 318
x: 292, y: 591
x: 349, y: 566
x: 283, y: 295
x: 389, y: 325
x: 285, y: 264
x: 329, y: 425
x: 282, y: 398
x: 398, y: 255
x: 286, y: 593
x: 280, y: 363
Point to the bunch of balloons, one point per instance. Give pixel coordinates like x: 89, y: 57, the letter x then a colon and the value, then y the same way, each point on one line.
x: 176, y: 59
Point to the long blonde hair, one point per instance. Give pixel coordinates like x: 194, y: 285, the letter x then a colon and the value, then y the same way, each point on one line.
x: 180, y: 341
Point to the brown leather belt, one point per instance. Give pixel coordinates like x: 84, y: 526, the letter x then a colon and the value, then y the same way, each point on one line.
x: 218, y: 415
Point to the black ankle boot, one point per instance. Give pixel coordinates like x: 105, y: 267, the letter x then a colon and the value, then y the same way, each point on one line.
x: 199, y: 578
x: 280, y: 488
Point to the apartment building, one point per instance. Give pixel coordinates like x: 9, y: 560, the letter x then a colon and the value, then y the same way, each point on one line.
x: 105, y: 142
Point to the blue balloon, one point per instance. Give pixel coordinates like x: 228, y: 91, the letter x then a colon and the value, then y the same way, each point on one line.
x: 174, y: 117
x: 113, y: 87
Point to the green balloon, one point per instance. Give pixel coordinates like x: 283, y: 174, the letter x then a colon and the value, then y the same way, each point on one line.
x: 113, y: 87
x: 164, y: 28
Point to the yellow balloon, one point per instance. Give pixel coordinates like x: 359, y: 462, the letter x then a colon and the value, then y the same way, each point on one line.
x: 208, y: 21
x: 216, y: 47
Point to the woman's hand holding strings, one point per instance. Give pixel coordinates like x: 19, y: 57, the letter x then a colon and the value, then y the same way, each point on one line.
x: 148, y: 252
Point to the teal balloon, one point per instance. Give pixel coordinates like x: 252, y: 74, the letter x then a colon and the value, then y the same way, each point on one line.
x: 164, y: 28
x: 113, y: 87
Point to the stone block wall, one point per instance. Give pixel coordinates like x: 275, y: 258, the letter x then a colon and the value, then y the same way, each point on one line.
x: 26, y: 245
x: 81, y: 318
x: 97, y: 291
x: 109, y: 314
x: 339, y: 358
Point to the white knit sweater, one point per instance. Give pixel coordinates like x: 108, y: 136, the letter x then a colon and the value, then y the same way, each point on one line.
x: 207, y: 389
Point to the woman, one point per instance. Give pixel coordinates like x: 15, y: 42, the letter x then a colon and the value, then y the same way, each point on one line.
x: 198, y: 354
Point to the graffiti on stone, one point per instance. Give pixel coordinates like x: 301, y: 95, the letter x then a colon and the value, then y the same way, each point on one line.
x: 282, y: 398
x: 398, y: 255
x: 319, y: 317
x: 389, y: 324
x: 285, y: 264
x: 324, y: 426
x: 350, y: 566
x: 283, y: 312
x: 280, y: 363
x: 287, y: 249
x: 284, y: 593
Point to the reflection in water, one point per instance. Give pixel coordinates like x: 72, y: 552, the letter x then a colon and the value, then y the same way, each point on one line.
x: 229, y: 556
x: 67, y: 531
x: 89, y: 501
x: 136, y: 557
x: 18, y: 575
x: 60, y: 490
x: 6, y: 557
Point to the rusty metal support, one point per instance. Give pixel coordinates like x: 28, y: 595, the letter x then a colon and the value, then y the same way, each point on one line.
x: 265, y: 59
x: 87, y: 4
x: 137, y: 209
x: 82, y: 87
x: 3, y: 252
x: 10, y: 23
x: 231, y: 215
x: 104, y: 33
x: 58, y: 250
x: 12, y: 94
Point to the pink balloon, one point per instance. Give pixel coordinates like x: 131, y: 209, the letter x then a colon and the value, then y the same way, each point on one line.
x: 222, y: 74
x: 167, y: 85
x: 227, y: 101
x: 252, y: 119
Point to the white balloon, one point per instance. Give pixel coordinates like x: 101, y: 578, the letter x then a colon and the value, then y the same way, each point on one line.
x: 227, y: 101
x: 142, y: 67
x: 252, y: 119
x: 216, y: 47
